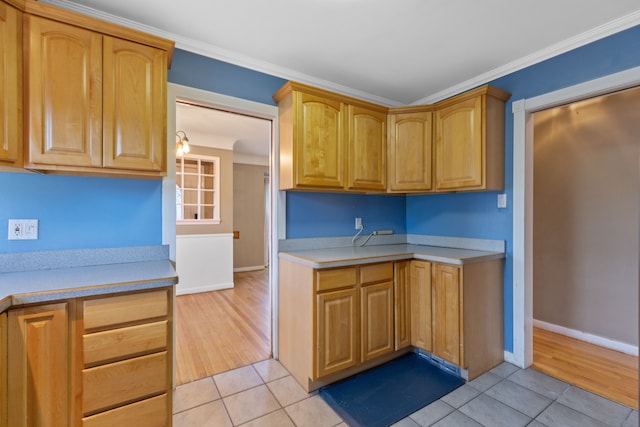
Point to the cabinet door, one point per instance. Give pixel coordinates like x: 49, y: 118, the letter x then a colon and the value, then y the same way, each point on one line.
x: 410, y: 151
x: 402, y: 304
x: 367, y: 149
x: 63, y: 68
x: 10, y: 86
x: 38, y: 366
x: 421, y: 335
x: 319, y: 142
x: 134, y: 106
x: 447, y: 338
x: 337, y: 331
x: 376, y: 310
x: 459, y: 145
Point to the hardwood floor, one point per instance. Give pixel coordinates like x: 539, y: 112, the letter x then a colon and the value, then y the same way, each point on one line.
x: 222, y: 330
x: 605, y: 372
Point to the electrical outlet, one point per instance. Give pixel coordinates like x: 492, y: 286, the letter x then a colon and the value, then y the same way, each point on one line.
x: 23, y: 229
x: 502, y: 201
x: 358, y: 223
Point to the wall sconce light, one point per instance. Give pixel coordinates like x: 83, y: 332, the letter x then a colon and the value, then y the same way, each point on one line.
x: 182, y: 146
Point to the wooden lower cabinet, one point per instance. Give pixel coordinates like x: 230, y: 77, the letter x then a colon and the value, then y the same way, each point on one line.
x: 337, y: 331
x: 402, y: 304
x: 420, y: 277
x: 39, y: 365
x: 100, y: 361
x: 457, y: 313
x: 334, y: 321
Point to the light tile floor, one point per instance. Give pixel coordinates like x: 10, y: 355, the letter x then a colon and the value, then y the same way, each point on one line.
x: 265, y: 395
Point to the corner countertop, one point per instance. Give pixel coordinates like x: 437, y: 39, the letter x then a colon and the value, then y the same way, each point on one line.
x: 345, y: 256
x: 48, y: 276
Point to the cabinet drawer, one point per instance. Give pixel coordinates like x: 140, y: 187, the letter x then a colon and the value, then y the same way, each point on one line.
x: 110, y: 385
x: 122, y: 309
x: 373, y: 273
x: 335, y: 278
x: 146, y: 413
x: 119, y: 343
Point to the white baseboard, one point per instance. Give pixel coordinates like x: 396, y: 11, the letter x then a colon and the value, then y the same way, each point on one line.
x: 198, y: 289
x: 590, y: 338
x: 251, y: 268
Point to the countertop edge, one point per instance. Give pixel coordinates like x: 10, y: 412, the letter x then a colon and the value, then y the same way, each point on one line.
x: 299, y: 257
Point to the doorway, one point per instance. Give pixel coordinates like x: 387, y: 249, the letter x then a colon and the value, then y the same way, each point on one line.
x: 586, y: 228
x: 234, y: 106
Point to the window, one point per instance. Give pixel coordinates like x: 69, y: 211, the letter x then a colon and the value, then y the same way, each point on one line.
x: 198, y: 189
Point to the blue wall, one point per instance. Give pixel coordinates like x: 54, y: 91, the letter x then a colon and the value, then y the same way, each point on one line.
x: 81, y: 212
x: 477, y: 215
x: 328, y: 215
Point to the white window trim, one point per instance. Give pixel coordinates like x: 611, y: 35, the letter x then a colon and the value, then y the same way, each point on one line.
x: 216, y: 190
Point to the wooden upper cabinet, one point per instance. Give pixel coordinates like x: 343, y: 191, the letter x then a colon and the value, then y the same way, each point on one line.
x: 330, y: 142
x: 95, y: 95
x: 410, y: 150
x: 312, y: 139
x: 134, y: 83
x: 319, y: 142
x: 64, y: 94
x: 469, y: 141
x: 367, y: 149
x: 10, y: 86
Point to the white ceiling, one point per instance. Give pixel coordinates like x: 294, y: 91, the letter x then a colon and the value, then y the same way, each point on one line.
x: 392, y: 52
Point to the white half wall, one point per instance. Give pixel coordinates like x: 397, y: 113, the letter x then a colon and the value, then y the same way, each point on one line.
x: 204, y: 262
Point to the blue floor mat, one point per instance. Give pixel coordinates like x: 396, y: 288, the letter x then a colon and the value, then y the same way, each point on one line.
x: 387, y: 393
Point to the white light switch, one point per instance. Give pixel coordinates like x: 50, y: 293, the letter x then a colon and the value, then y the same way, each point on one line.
x: 502, y: 201
x: 23, y: 229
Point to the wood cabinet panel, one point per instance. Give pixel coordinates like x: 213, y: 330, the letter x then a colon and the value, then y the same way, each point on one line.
x: 111, y: 385
x: 410, y: 151
x: 63, y: 101
x: 318, y: 148
x: 402, y: 304
x: 459, y: 151
x: 123, y: 309
x: 38, y: 366
x: 10, y: 86
x: 335, y: 278
x: 337, y: 331
x: 105, y: 346
x: 447, y: 319
x: 134, y: 82
x: 376, y: 311
x: 367, y: 148
x: 421, y: 312
x: 372, y: 273
x: 146, y: 413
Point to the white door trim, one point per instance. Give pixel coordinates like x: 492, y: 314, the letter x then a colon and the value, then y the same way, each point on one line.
x: 278, y: 221
x: 523, y: 197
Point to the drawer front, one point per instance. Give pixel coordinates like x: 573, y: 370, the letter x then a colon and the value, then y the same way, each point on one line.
x: 110, y: 385
x: 335, y: 278
x: 101, y: 347
x: 122, y: 309
x: 146, y: 413
x: 373, y: 273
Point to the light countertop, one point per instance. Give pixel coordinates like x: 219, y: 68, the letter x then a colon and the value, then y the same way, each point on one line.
x: 344, y: 256
x: 127, y: 270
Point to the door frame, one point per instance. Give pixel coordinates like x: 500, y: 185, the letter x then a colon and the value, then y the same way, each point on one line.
x: 523, y: 139
x: 176, y: 92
